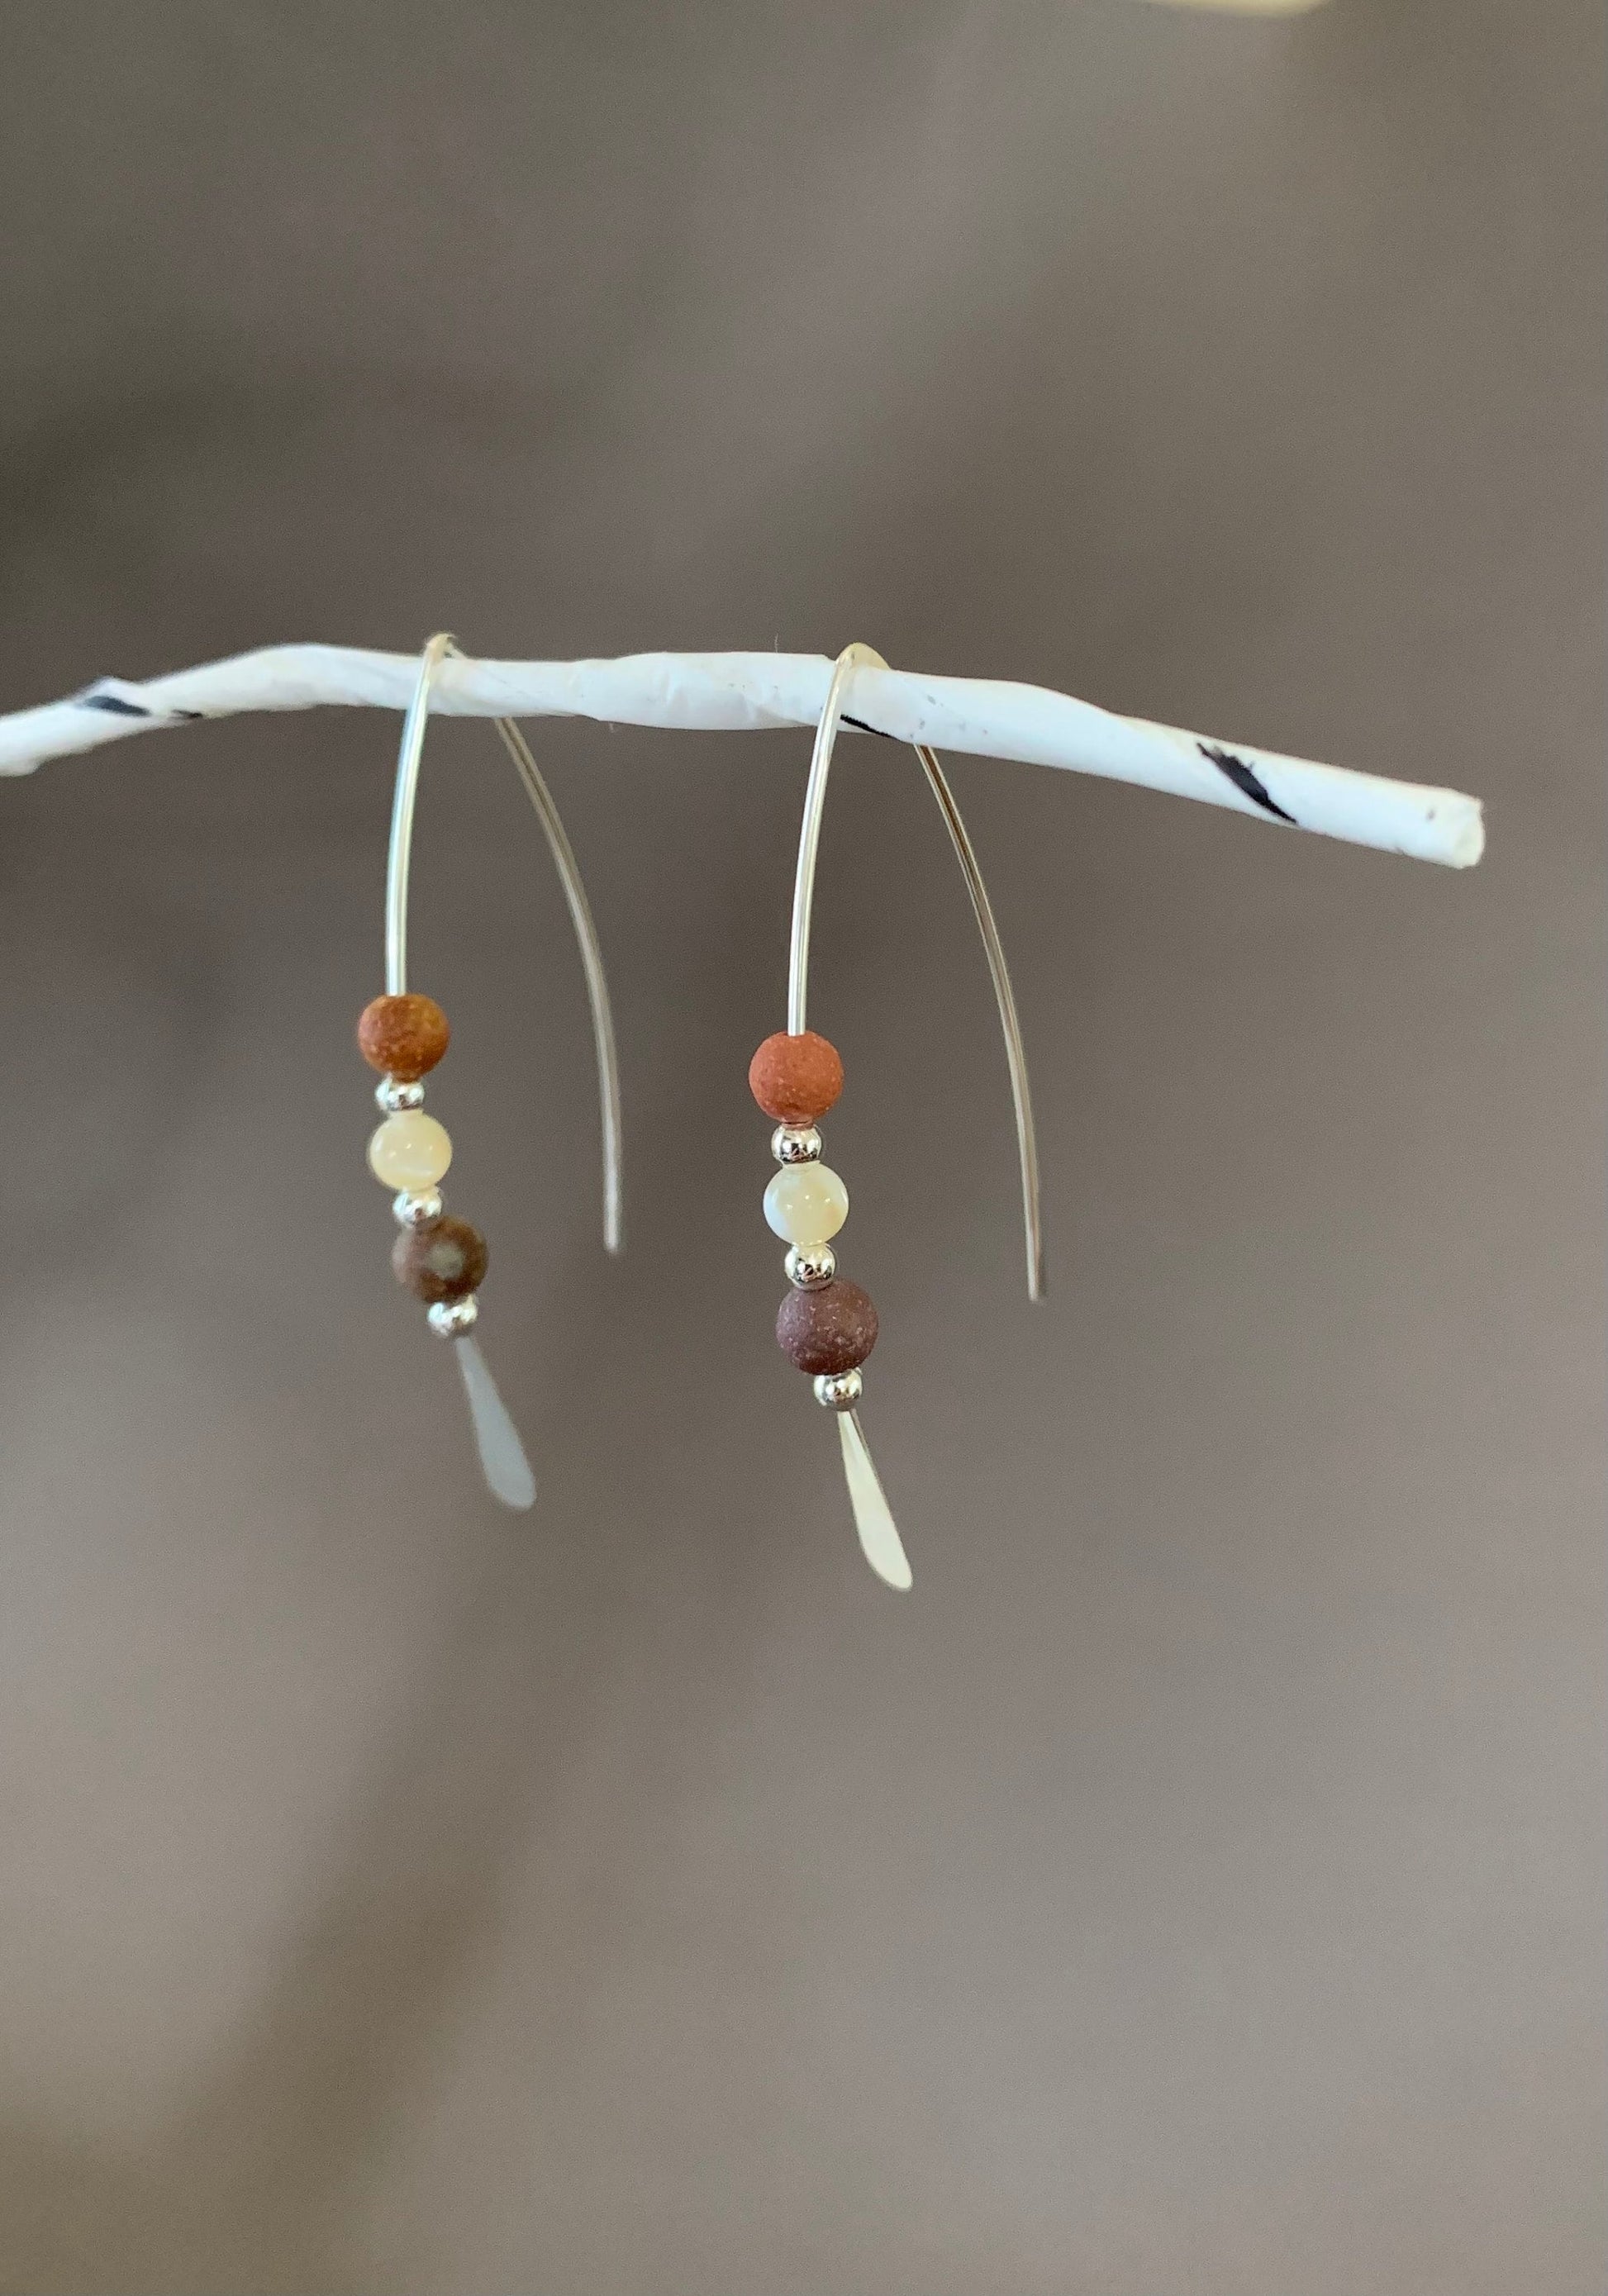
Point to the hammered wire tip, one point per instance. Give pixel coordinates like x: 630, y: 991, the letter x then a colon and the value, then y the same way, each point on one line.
x: 503, y: 1460
x: 880, y: 1542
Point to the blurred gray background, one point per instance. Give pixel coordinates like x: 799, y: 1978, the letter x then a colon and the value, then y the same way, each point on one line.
x: 1195, y: 1885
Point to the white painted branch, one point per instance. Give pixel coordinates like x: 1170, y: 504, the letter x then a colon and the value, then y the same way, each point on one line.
x: 715, y: 692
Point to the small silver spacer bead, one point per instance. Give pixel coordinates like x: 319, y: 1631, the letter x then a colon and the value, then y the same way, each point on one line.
x: 809, y: 1264
x: 422, y: 1210
x: 394, y: 1095
x: 796, y: 1143
x: 839, y: 1390
x: 451, y: 1319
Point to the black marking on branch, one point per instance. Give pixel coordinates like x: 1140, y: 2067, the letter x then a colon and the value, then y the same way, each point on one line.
x: 1247, y: 783
x: 115, y: 705
x: 861, y: 726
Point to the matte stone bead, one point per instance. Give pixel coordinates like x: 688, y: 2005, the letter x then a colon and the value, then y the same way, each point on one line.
x: 796, y: 1079
x: 831, y: 1328
x: 402, y: 1037
x: 444, y: 1261
x: 805, y: 1203
x: 410, y: 1152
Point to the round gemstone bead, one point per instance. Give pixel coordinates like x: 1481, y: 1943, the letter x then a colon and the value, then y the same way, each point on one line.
x: 805, y: 1203
x: 446, y: 1261
x: 402, y: 1037
x: 827, y: 1329
x: 410, y: 1151
x: 796, y: 1079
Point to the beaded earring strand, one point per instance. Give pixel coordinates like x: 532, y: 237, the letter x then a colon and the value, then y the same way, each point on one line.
x: 828, y: 1326
x: 441, y: 1259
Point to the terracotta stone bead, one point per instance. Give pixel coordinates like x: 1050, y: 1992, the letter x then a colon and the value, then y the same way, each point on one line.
x: 444, y: 1261
x: 402, y: 1037
x: 796, y: 1079
x: 830, y: 1328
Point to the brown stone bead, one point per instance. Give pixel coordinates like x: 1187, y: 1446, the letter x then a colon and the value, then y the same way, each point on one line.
x: 831, y: 1327
x: 402, y: 1037
x: 444, y: 1261
x: 796, y: 1079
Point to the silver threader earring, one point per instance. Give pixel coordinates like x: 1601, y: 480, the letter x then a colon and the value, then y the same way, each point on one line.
x: 441, y: 1259
x: 828, y: 1326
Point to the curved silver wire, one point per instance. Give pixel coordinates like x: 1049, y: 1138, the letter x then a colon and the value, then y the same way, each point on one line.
x: 852, y: 658
x: 399, y: 856
x: 591, y: 964
x: 399, y: 860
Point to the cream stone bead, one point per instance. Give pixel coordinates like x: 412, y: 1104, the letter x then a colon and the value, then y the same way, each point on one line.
x: 410, y: 1151
x: 805, y: 1203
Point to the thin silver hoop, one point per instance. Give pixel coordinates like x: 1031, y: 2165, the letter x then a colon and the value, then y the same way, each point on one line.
x: 857, y: 657
x: 398, y: 863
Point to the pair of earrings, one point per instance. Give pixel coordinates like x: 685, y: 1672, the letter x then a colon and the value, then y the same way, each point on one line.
x: 827, y: 1325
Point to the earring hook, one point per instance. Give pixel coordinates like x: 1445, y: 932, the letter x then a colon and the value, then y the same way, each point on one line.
x: 853, y: 658
x: 399, y: 861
